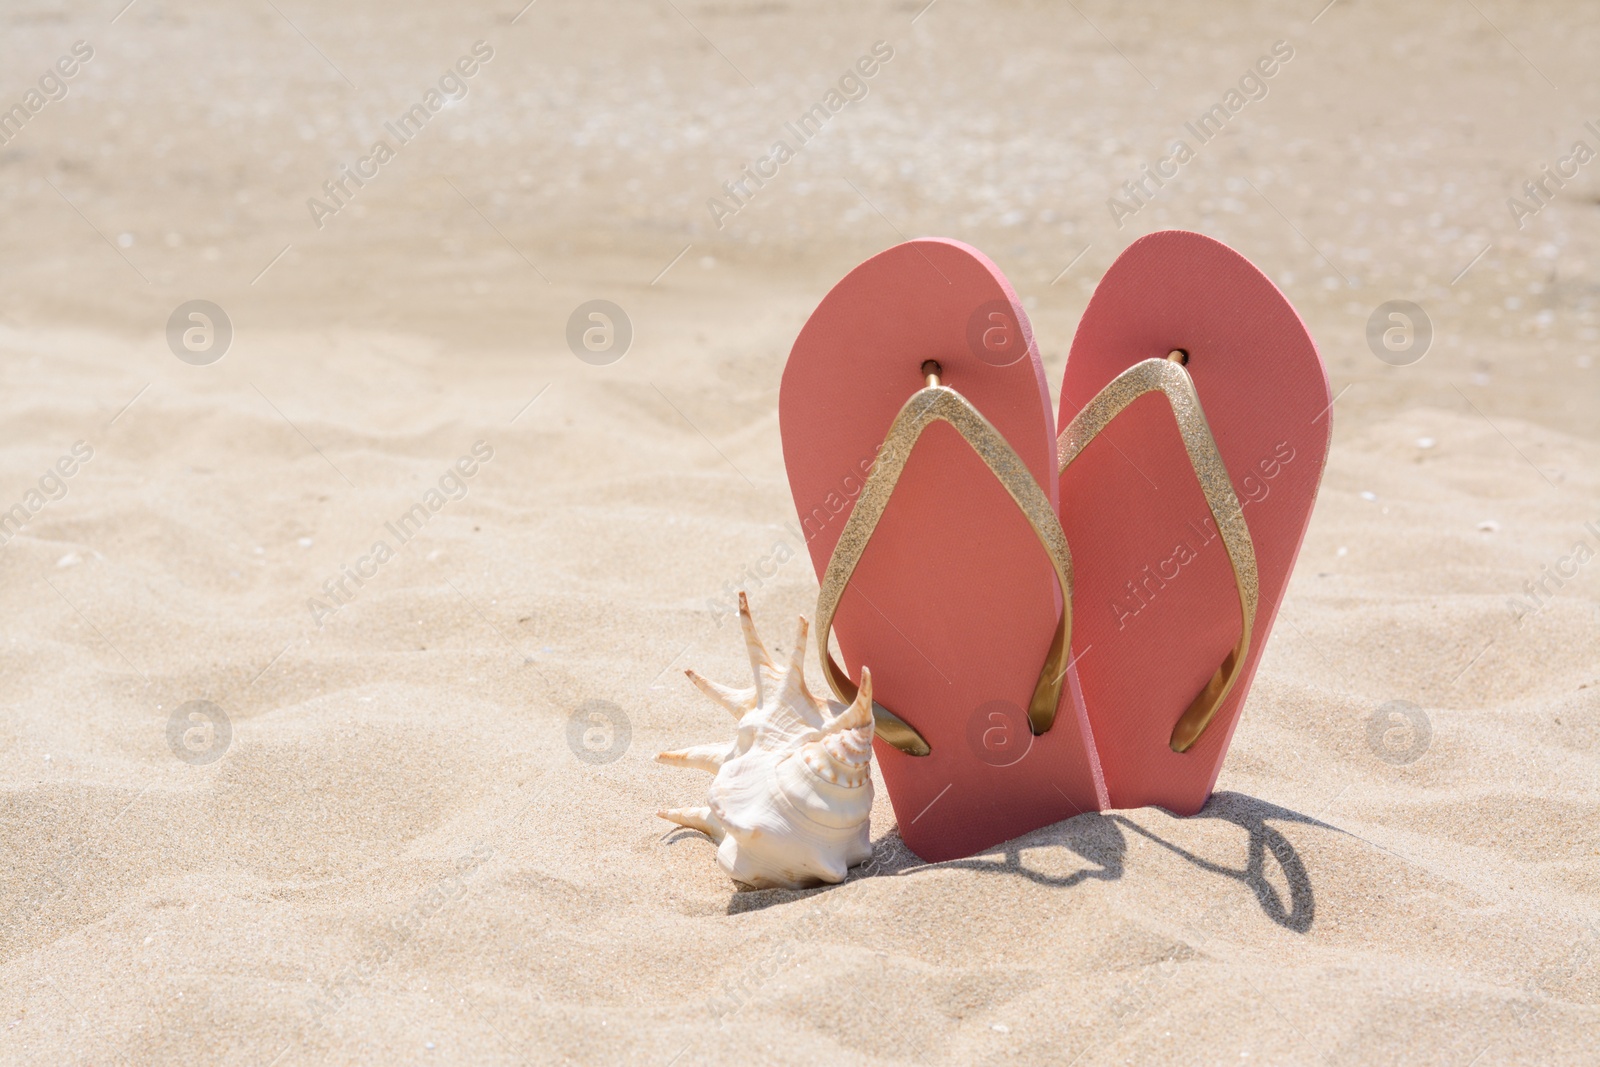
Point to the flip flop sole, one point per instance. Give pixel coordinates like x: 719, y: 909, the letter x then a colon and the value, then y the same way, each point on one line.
x: 954, y: 603
x: 1157, y: 603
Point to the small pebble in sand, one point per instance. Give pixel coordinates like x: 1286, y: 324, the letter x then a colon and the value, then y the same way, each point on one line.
x: 1488, y: 526
x: 1426, y: 442
x: 305, y: 542
x: 1367, y: 494
x: 1343, y: 551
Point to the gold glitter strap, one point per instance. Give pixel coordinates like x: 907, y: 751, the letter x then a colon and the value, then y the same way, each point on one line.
x: 1168, y: 377
x: 940, y: 403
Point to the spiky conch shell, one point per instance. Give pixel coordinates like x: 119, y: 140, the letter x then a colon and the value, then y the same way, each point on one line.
x: 791, y: 799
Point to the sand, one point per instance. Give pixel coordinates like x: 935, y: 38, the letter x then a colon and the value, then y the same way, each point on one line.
x: 393, y: 853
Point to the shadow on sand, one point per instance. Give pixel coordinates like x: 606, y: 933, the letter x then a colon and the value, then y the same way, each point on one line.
x: 1099, y: 840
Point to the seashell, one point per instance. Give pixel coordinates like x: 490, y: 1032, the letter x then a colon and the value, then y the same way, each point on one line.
x: 792, y: 794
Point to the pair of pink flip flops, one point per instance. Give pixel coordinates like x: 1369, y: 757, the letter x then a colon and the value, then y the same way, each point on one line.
x: 1054, y: 626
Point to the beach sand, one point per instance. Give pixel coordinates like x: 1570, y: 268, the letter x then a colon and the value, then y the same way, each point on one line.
x: 393, y: 852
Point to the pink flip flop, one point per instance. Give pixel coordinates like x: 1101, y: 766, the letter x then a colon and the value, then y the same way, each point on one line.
x: 920, y: 449
x: 1196, y: 419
